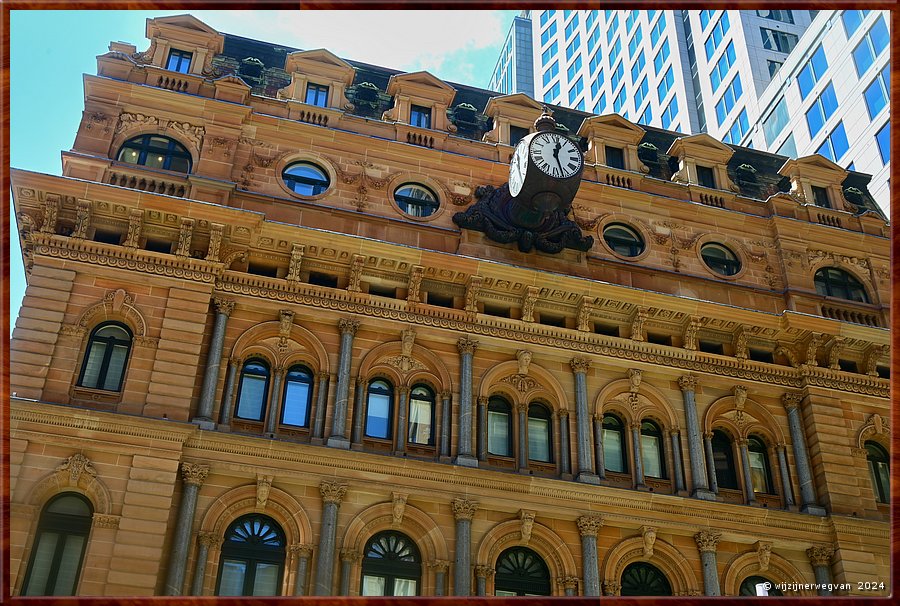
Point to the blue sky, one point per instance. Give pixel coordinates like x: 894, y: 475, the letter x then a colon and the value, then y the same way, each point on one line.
x: 50, y: 50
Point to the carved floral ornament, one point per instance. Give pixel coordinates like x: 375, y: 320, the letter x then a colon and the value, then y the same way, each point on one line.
x: 76, y: 465
x: 464, y: 509
x: 136, y: 121
x: 332, y: 492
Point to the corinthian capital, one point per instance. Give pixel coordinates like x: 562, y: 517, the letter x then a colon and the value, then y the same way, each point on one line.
x: 589, y: 525
x: 332, y: 492
x: 707, y: 540
x: 194, y: 473
x: 348, y: 325
x: 580, y: 364
x: 467, y: 345
x: 687, y: 383
x: 223, y: 306
x: 464, y: 509
x: 791, y: 400
x: 820, y: 555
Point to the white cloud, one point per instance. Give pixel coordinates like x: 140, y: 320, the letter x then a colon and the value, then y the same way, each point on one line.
x: 404, y: 40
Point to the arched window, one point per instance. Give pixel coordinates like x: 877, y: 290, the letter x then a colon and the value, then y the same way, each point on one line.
x: 379, y: 409
x: 391, y: 566
x: 520, y: 571
x: 252, y: 557
x: 306, y: 179
x: 878, y: 459
x: 106, y: 357
x: 760, y: 473
x: 834, y: 282
x: 623, y: 239
x: 641, y: 578
x: 421, y: 415
x: 499, y: 427
x: 614, y: 458
x: 652, y: 457
x: 59, y: 546
x: 720, y: 259
x: 416, y: 200
x: 723, y: 459
x: 297, y: 396
x: 748, y: 587
x: 253, y: 391
x: 540, y: 437
x: 156, y: 151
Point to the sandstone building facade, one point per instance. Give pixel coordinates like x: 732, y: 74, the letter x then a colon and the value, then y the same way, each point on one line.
x: 256, y: 354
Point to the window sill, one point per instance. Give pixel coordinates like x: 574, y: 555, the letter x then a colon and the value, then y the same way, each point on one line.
x: 95, y: 396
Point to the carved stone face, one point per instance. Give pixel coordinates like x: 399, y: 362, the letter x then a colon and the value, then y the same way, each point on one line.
x: 555, y: 155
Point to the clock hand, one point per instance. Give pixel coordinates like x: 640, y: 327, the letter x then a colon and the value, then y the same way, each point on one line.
x: 556, y: 155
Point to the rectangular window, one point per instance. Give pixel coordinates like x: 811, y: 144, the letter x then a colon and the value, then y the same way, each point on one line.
x: 580, y: 106
x: 574, y: 68
x: 630, y: 19
x: 773, y: 66
x: 548, y: 34
x: 615, y: 157
x: 740, y: 128
x: 777, y: 41
x: 553, y: 94
x: 788, y: 148
x: 720, y: 70
x: 875, y: 41
x: 638, y: 67
x: 812, y: 71
x: 551, y: 73
x: 705, y: 18
x: 516, y: 134
x: 596, y: 60
x: 619, y: 101
x: 883, y: 138
x: 650, y: 450
x: 614, y: 51
x: 822, y: 109
x: 573, y: 47
x: 179, y: 61
x: 820, y: 196
x: 716, y: 35
x: 420, y: 116
x: 498, y: 433
x: 596, y: 83
x: 635, y: 42
x: 775, y: 122
x: 668, y: 115
x: 665, y: 83
x: 538, y: 444
x: 571, y: 26
x: 546, y: 16
x: 647, y: 116
x: 549, y: 53
x: 589, y: 19
x: 612, y: 451
x: 705, y: 177
x: 835, y: 145
x: 575, y: 90
x: 611, y: 28
x: 640, y: 92
x: 660, y: 59
x: 729, y: 99
x: 852, y: 20
x: 783, y: 16
x: 658, y: 30
x: 879, y: 93
x: 617, y: 75
x: 316, y: 94
x: 601, y: 104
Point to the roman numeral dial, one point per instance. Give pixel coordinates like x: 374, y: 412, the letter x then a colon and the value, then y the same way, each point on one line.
x: 555, y: 155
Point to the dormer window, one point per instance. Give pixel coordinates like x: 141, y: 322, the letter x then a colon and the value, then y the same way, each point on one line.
x: 820, y: 196
x: 420, y: 116
x: 179, y: 61
x: 706, y: 177
x: 316, y: 94
x: 615, y: 157
x: 516, y: 134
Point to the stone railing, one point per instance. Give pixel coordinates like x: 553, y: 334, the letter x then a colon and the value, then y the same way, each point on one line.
x: 147, y: 182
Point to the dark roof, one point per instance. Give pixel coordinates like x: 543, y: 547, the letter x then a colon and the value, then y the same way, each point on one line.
x: 761, y: 184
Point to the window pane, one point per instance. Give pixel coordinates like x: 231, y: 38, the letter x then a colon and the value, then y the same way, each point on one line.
x: 266, y: 580
x: 232, y: 581
x: 92, y: 367
x: 296, y: 399
x: 758, y: 472
x: 253, y: 395
x: 650, y: 456
x: 404, y: 587
x: 419, y: 421
x: 116, y: 367
x: 377, y: 418
x: 884, y: 475
x: 498, y: 433
x: 884, y: 142
x: 612, y: 451
x: 40, y: 567
x: 539, y: 439
x: 67, y: 575
x: 373, y: 586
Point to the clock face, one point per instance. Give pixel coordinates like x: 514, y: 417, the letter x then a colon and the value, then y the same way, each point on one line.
x: 555, y: 155
x: 517, y: 167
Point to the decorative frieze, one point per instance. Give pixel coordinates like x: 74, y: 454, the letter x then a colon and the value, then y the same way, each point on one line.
x: 414, y: 285
x: 293, y: 274
x: 356, y: 267
x: 473, y: 288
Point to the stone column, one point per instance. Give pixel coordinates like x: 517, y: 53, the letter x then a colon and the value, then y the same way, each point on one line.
x: 565, y: 467
x: 193, y: 475
x: 785, y: 477
x: 676, y: 460
x: 206, y: 540
x: 321, y: 395
x: 745, y: 463
x: 588, y: 527
x: 446, y: 424
x: 348, y: 558
x: 598, y: 446
x: 481, y: 436
x: 636, y: 454
x: 569, y: 585
x: 440, y: 576
x: 338, y: 437
x: 583, y: 423
x: 332, y: 495
x: 482, y: 573
x: 522, y: 410
x: 228, y: 393
x: 301, y: 555
x: 359, y: 413
x: 464, y: 456
x: 707, y: 540
x: 688, y: 384
x: 275, y: 398
x: 402, y: 425
x: 710, y: 462
x: 204, y: 419
x: 463, y: 512
x: 820, y: 558
x: 791, y: 402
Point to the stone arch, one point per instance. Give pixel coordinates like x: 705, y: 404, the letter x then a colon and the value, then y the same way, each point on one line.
x: 262, y: 351
x: 306, y: 341
x: 544, y: 541
x: 75, y: 474
x: 420, y: 359
x: 425, y: 378
x: 116, y: 305
x: 745, y: 564
x: 523, y: 387
x: 724, y: 409
x: 279, y: 505
x: 877, y: 429
x: 144, y: 125
x: 665, y: 557
x: 651, y: 403
x: 844, y: 264
x: 383, y: 371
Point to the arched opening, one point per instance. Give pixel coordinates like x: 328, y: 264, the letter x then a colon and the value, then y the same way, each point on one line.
x: 379, y: 409
x: 156, y: 151
x: 59, y: 546
x: 879, y: 469
x: 253, y: 556
x: 253, y: 390
x: 106, y: 357
x: 835, y: 282
x: 520, y: 571
x: 391, y: 566
x: 643, y: 579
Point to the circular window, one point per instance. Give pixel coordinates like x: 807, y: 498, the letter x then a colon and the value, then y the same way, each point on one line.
x: 306, y: 179
x: 720, y: 259
x: 623, y: 240
x: 416, y: 200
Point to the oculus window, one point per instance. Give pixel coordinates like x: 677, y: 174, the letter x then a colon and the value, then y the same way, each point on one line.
x: 720, y: 259
x: 59, y: 546
x: 306, y: 179
x: 416, y: 200
x: 106, y: 357
x: 391, y: 566
x: 623, y: 239
x: 252, y: 558
x: 834, y: 282
x: 156, y: 151
x: 521, y: 572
